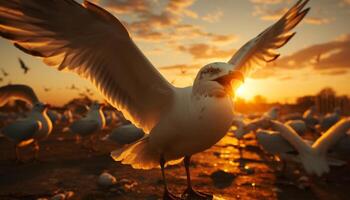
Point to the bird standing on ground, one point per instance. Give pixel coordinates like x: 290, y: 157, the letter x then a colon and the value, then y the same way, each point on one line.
x: 92, y: 123
x: 23, y: 66
x: 36, y: 126
x: 180, y: 121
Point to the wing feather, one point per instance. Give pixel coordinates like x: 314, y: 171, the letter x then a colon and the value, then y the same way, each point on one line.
x: 20, y: 92
x: 261, y: 49
x: 87, y: 40
x: 332, y: 136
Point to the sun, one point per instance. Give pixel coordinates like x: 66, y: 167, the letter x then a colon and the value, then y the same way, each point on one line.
x: 243, y: 92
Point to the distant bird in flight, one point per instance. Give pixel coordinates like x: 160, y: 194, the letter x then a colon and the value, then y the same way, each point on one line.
x: 47, y: 89
x: 23, y: 66
x: 35, y: 127
x: 4, y: 72
x: 179, y: 122
x: 73, y: 87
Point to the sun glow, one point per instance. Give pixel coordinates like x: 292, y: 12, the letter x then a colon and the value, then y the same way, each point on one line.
x: 243, y: 92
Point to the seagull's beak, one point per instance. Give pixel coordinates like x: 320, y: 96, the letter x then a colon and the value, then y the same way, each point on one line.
x: 227, y: 79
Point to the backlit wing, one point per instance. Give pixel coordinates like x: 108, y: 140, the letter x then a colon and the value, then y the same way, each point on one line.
x: 260, y: 50
x: 20, y: 92
x: 91, y: 42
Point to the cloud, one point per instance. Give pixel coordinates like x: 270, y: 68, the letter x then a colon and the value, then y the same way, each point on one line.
x: 275, y: 14
x: 329, y: 58
x: 213, y: 17
x: 266, y: 1
x: 335, y: 72
x: 151, y: 21
x: 325, y: 56
x: 346, y: 2
x: 205, y: 51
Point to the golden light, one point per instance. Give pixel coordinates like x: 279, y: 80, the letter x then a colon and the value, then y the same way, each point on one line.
x: 246, y: 90
x: 243, y: 92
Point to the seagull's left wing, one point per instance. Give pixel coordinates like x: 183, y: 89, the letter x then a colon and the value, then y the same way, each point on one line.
x: 88, y: 40
x: 20, y: 92
x: 260, y: 50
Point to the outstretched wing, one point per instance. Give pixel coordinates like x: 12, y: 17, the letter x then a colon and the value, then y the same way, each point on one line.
x: 20, y: 92
x: 291, y: 136
x: 91, y: 42
x: 332, y: 136
x: 260, y: 50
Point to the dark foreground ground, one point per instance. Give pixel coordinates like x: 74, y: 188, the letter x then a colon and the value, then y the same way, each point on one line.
x: 67, y: 167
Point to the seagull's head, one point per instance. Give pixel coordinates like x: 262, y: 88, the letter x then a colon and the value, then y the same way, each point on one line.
x: 218, y: 79
x: 40, y: 107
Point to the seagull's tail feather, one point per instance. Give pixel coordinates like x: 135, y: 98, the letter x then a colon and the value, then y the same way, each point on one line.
x: 315, y: 164
x: 139, y: 155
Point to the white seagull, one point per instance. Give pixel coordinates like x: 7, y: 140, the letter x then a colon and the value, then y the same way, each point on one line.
x: 88, y: 40
x: 92, y: 123
x: 36, y: 126
x: 313, y: 155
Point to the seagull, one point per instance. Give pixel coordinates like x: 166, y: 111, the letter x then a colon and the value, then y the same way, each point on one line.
x: 330, y: 119
x: 47, y: 89
x: 284, y: 141
x: 298, y: 125
x: 36, y: 126
x: 126, y: 134
x: 23, y: 66
x: 179, y: 122
x: 310, y: 118
x: 272, y: 113
x: 92, y: 123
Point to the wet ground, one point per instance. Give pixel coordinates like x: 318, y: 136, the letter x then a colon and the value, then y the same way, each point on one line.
x: 66, y: 166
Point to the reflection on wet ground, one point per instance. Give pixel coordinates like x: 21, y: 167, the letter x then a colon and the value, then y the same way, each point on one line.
x: 221, y: 170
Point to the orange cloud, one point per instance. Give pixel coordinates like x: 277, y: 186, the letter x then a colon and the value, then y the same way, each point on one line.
x: 205, y: 51
x: 213, y: 17
x: 274, y: 15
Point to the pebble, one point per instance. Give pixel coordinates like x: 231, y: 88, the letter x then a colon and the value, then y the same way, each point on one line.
x: 106, y: 180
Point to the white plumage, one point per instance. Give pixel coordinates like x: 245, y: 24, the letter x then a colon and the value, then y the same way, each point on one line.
x: 180, y: 121
x: 93, y: 122
x: 312, y: 155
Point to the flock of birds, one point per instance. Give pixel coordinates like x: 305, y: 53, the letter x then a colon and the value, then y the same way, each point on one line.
x: 38, y: 123
x: 175, y: 122
x: 316, y: 142
x: 277, y: 136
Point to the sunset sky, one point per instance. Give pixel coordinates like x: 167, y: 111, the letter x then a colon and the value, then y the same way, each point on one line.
x: 180, y: 36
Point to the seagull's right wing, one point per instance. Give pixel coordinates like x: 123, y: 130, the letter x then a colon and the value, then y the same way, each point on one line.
x: 332, y: 136
x: 20, y: 92
x: 262, y: 49
x: 291, y: 136
x: 91, y: 42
